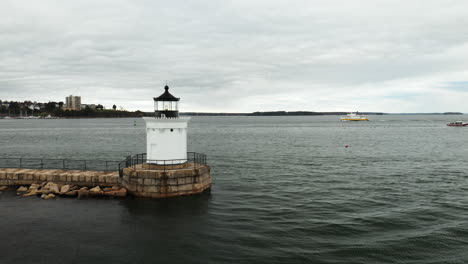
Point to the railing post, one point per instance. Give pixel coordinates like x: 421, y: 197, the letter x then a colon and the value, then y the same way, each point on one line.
x: 107, y: 167
x: 42, y: 163
x: 20, y: 162
x: 85, y: 165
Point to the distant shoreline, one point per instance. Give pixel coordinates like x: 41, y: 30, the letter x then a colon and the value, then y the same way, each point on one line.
x: 276, y: 113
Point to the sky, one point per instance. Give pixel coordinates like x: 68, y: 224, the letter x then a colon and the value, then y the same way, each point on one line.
x: 240, y: 55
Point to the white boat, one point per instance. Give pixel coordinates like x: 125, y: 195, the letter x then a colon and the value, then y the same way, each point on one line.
x: 354, y: 117
x: 29, y: 117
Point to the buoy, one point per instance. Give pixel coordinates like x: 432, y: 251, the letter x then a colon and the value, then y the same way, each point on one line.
x: 347, y: 146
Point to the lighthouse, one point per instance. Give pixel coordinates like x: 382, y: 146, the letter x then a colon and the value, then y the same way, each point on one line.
x: 166, y: 132
x: 166, y: 169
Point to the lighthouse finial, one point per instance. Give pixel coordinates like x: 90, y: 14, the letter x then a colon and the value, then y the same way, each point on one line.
x: 166, y: 87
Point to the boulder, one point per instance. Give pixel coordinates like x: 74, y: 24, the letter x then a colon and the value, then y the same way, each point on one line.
x: 49, y: 196
x: 35, y: 186
x: 45, y: 188
x: 122, y: 192
x: 95, y: 189
x: 43, y: 191
x: 22, y: 189
x: 113, y: 189
x: 65, y: 189
x: 54, y: 189
x: 32, y: 189
x: 84, y: 189
x: 2, y: 188
x: 31, y: 193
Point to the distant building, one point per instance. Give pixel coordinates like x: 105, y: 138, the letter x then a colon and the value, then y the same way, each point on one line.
x: 34, y: 107
x: 92, y: 106
x: 73, y: 102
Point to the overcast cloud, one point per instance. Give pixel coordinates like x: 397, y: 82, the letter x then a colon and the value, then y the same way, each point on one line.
x: 239, y: 56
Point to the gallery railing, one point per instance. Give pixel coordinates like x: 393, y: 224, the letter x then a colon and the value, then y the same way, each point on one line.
x: 193, y: 160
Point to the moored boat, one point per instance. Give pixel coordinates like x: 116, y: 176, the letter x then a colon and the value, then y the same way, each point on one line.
x: 354, y: 117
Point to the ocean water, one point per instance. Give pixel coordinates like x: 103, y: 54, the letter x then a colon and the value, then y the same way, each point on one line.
x: 285, y: 190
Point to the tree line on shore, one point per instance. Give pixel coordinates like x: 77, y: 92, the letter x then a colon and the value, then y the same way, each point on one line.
x: 57, y: 109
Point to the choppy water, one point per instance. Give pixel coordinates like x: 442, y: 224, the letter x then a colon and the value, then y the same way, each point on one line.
x: 286, y: 190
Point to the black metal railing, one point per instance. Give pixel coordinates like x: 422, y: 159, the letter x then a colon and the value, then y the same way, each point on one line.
x: 59, y: 164
x: 194, y: 160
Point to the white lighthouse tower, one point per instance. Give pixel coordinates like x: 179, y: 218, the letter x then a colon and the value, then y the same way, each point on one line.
x: 166, y: 132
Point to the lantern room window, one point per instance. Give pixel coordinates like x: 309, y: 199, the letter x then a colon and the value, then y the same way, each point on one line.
x: 166, y: 105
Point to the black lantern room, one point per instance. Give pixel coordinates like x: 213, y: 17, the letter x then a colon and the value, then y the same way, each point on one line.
x: 166, y: 105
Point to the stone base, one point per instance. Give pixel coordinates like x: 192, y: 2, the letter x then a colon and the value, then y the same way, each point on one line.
x: 143, y: 182
x: 150, y: 166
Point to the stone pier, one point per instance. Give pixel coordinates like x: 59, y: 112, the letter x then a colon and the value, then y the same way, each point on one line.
x: 142, y: 180
x: 16, y: 177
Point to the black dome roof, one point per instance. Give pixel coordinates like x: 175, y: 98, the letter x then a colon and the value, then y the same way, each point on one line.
x: 166, y: 96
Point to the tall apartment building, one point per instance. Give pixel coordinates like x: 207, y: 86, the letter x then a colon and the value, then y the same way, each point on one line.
x: 73, y: 102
